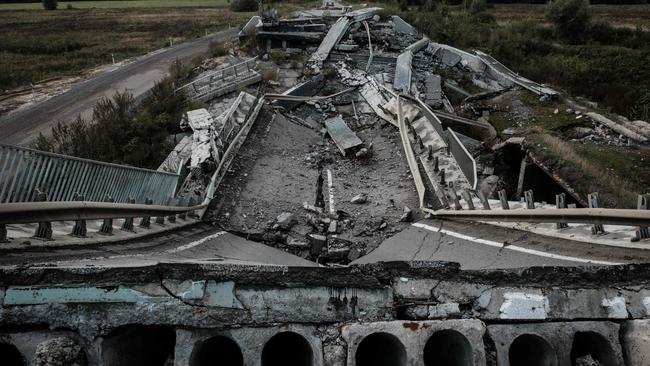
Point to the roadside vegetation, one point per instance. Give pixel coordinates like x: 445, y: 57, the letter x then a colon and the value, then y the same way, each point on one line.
x: 36, y: 45
x: 123, y: 131
x: 609, y: 65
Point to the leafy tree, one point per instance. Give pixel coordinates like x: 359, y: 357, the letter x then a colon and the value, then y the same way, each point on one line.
x: 570, y: 17
x: 50, y: 4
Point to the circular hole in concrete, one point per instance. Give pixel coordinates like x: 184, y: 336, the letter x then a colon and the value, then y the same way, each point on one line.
x: 380, y: 349
x: 10, y: 356
x: 591, y: 345
x: 531, y: 350
x: 287, y: 349
x: 142, y: 345
x: 217, y: 350
x: 448, y: 348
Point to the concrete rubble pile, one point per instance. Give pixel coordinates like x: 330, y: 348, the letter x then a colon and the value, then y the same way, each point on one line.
x: 361, y: 108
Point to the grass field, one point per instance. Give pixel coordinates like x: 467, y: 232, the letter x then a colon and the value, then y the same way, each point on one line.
x: 619, y: 15
x: 37, y: 45
x: 119, y: 4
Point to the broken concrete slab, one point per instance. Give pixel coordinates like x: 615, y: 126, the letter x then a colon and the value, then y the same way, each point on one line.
x: 308, y: 88
x: 346, y: 140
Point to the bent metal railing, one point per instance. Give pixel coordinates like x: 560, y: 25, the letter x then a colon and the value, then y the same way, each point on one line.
x: 23, y: 171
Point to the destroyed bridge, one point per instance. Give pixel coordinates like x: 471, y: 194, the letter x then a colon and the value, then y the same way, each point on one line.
x: 342, y: 199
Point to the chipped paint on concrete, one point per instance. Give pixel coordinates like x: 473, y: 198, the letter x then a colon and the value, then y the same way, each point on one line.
x: 34, y: 296
x: 646, y: 304
x: 616, y: 308
x: 521, y: 305
x: 222, y: 294
x: 442, y: 311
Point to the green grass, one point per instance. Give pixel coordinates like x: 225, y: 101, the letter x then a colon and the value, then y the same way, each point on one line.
x: 119, y: 4
x: 37, y: 44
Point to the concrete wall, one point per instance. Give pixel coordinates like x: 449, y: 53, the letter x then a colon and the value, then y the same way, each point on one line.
x: 393, y: 314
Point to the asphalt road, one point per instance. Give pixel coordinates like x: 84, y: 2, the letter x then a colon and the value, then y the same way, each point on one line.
x: 482, y: 246
x: 201, y: 243
x: 21, y: 127
x: 473, y: 245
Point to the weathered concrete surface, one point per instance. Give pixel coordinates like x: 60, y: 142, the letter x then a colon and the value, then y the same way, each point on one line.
x: 251, y: 341
x: 635, y: 338
x: 599, y: 339
x: 413, y: 336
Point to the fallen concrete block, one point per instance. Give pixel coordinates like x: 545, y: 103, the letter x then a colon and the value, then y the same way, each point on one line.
x: 346, y: 140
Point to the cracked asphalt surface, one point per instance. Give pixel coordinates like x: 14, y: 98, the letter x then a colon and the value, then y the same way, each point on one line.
x: 21, y: 127
x: 417, y: 243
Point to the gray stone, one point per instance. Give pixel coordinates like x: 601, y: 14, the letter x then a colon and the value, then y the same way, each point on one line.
x: 286, y: 220
x: 359, y: 199
x: 334, y: 355
x: 318, y: 242
x: 61, y: 351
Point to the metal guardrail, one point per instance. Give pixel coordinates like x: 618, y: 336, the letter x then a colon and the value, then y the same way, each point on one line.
x: 465, y: 160
x: 24, y: 170
x: 410, y: 156
x: 219, y: 78
x: 30, y: 212
x: 596, y: 216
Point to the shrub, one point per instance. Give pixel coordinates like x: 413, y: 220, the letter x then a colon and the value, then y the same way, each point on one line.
x: 570, y: 17
x: 477, y: 6
x: 217, y: 49
x: 50, y: 4
x: 243, y: 5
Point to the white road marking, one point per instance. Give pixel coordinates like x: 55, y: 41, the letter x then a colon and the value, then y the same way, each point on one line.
x: 194, y: 243
x: 513, y: 247
x: 331, y: 191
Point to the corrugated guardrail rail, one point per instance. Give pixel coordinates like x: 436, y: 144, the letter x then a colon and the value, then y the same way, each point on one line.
x: 23, y: 170
x: 463, y: 157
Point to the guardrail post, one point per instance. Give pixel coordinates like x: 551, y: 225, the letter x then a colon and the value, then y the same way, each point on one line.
x: 146, y: 221
x: 436, y: 165
x: 192, y: 214
x: 560, y: 202
x: 484, y: 201
x: 420, y: 143
x: 643, y: 203
x: 160, y: 220
x: 592, y: 198
x: 182, y: 202
x: 530, y: 201
x: 171, y: 202
x: 79, y: 230
x: 3, y: 233
x: 442, y: 177
x: 429, y: 152
x: 454, y: 196
x: 504, y: 199
x: 44, y: 230
x: 467, y: 196
x: 107, y: 225
x: 128, y: 222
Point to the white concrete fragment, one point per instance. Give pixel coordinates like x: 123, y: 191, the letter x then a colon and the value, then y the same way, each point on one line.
x: 616, y: 308
x: 521, y: 305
